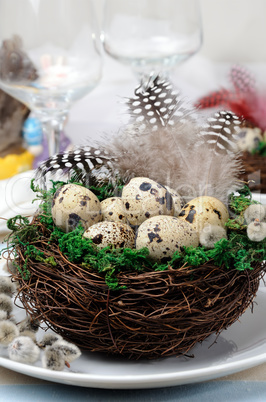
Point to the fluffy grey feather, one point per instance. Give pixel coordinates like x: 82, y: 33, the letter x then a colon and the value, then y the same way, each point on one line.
x: 164, y: 142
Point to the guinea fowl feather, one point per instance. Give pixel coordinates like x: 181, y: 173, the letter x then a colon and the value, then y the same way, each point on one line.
x: 164, y: 142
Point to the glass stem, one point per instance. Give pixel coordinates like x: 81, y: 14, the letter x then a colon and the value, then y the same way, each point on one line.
x: 52, y: 129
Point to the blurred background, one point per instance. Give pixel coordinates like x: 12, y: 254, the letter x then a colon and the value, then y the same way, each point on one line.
x: 234, y: 30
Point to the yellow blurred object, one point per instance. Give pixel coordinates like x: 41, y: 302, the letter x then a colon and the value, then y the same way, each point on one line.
x: 13, y: 164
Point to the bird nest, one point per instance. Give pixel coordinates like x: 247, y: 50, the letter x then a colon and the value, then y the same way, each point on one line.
x: 153, y: 313
x: 255, y: 171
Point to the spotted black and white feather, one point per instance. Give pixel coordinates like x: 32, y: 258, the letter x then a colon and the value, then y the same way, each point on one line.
x: 163, y: 141
x: 156, y: 105
x: 220, y: 131
x: 86, y: 162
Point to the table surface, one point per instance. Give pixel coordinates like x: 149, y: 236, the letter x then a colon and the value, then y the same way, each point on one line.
x: 99, y: 114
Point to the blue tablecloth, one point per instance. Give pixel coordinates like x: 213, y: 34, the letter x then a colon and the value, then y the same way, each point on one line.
x: 215, y: 391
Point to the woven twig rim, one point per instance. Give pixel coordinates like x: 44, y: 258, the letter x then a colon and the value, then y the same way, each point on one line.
x: 161, y: 313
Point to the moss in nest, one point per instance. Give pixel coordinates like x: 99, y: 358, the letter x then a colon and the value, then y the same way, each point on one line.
x: 237, y: 205
x: 260, y: 149
x: 236, y: 252
x: 22, y: 231
x: 108, y: 260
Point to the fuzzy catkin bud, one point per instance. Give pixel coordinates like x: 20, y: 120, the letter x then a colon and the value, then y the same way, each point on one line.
x: 8, y: 331
x: 256, y: 230
x: 3, y: 315
x: 49, y: 338
x: 53, y: 359
x: 6, y: 303
x: 254, y: 211
x: 29, y: 334
x: 7, y: 286
x: 23, y: 349
x: 210, y: 234
x: 28, y: 324
x: 69, y: 350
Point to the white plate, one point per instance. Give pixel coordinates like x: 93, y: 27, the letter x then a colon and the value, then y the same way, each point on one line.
x: 240, y: 347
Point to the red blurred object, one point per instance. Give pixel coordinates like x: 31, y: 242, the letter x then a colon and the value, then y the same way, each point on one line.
x: 243, y: 98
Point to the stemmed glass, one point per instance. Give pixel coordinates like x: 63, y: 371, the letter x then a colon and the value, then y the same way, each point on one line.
x: 49, y: 57
x: 152, y: 36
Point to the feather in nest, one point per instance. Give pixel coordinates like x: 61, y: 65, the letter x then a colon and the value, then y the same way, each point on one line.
x: 165, y: 143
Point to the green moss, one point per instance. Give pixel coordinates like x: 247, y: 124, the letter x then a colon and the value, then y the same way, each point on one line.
x: 236, y: 252
x: 237, y: 205
x: 260, y: 149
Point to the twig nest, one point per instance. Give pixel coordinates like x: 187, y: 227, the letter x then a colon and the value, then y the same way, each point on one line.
x: 256, y: 230
x: 254, y: 211
x: 113, y: 210
x: 143, y: 198
x: 204, y: 210
x: 117, y: 234
x: 163, y: 235
x: 74, y: 204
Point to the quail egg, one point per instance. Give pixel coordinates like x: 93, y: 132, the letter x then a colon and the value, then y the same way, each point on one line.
x: 177, y: 202
x: 163, y: 235
x: 144, y: 198
x: 248, y: 139
x: 117, y: 234
x: 204, y: 210
x: 113, y: 210
x: 74, y: 204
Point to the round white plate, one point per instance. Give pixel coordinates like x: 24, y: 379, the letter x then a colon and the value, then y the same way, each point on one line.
x: 240, y: 347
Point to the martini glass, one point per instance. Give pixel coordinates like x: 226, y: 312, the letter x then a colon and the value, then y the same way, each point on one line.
x: 49, y: 57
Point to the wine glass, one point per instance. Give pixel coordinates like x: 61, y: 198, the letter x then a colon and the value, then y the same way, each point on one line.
x: 152, y: 36
x: 49, y: 57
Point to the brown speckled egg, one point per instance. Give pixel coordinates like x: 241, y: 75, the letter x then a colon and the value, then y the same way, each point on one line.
x: 106, y: 233
x: 74, y: 204
x: 177, y: 201
x: 144, y: 198
x: 163, y: 235
x: 204, y: 210
x: 113, y: 210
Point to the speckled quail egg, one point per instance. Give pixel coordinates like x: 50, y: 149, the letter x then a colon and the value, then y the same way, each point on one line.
x: 248, y: 139
x: 204, y: 210
x: 117, y: 234
x: 163, y: 235
x: 113, y: 210
x: 144, y: 198
x: 177, y: 201
x: 74, y: 204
